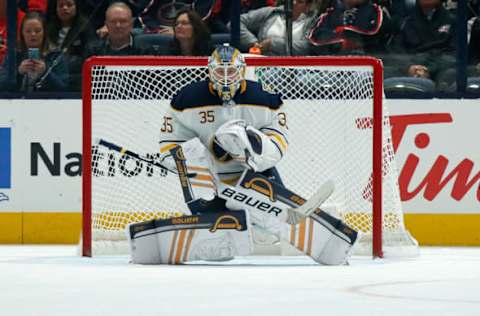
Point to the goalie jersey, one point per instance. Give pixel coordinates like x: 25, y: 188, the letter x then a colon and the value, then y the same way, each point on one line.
x: 197, y: 111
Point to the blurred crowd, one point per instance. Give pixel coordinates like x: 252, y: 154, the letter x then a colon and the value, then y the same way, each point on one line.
x: 416, y: 39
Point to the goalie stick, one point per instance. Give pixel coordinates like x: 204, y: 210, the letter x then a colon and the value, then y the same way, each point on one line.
x: 296, y: 214
x: 123, y: 151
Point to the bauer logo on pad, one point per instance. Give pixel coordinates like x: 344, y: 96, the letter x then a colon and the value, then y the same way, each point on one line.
x: 185, y: 220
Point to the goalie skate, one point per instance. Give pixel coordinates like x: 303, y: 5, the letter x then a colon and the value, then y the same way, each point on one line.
x: 295, y: 215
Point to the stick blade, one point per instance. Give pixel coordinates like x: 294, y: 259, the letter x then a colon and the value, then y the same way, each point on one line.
x: 314, y: 202
x: 318, y: 198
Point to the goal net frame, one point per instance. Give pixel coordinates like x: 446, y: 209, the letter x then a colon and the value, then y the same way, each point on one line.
x: 149, y: 61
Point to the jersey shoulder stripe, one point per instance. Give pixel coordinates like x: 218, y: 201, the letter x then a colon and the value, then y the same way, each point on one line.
x: 271, y: 129
x: 194, y: 95
x: 254, y: 94
x: 198, y: 94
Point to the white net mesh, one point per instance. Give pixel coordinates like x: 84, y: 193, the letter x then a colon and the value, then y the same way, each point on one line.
x: 329, y: 111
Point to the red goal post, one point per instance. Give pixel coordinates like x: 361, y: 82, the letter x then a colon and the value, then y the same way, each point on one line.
x: 118, y: 90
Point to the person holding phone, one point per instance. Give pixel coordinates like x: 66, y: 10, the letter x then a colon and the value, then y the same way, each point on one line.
x: 38, y: 69
x: 32, y: 66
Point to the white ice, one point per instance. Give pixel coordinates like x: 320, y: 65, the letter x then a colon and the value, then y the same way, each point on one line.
x: 50, y: 281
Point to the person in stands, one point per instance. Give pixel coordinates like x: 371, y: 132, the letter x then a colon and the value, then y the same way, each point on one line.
x: 191, y: 35
x: 265, y: 29
x: 351, y: 27
x: 96, y: 10
x: 38, y: 69
x: 427, y: 39
x: 159, y: 15
x: 221, y: 12
x: 119, y: 41
x: 69, y: 32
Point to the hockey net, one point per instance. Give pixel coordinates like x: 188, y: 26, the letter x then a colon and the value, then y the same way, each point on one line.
x: 338, y: 129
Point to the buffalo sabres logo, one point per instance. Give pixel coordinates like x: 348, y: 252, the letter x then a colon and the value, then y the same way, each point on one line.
x: 226, y: 222
x: 261, y: 185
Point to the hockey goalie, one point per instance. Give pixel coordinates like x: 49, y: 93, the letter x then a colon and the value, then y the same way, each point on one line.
x: 223, y: 137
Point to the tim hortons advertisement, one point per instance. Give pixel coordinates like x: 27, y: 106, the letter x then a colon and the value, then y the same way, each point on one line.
x: 437, y: 154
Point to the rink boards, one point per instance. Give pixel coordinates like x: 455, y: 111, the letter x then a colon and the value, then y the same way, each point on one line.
x: 437, y: 156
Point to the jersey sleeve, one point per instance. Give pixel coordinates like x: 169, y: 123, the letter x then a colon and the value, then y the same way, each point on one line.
x: 277, y: 130
x: 268, y: 143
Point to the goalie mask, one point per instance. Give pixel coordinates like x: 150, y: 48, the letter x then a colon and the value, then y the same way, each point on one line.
x: 226, y: 69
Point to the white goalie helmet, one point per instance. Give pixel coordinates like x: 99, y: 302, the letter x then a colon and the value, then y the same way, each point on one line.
x: 226, y: 69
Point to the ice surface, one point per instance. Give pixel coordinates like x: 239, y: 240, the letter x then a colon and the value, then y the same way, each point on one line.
x: 53, y: 280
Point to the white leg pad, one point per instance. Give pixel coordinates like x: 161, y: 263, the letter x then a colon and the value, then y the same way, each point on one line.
x: 324, y: 238
x: 215, y: 237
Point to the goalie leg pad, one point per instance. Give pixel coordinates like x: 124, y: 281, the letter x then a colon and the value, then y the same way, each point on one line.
x: 323, y: 237
x: 270, y: 203
x: 214, y: 237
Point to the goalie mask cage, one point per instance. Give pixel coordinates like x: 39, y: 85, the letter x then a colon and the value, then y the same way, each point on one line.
x: 338, y: 129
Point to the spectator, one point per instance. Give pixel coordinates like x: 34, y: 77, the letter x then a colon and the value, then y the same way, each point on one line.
x: 69, y: 32
x: 159, y: 15
x: 119, y: 22
x: 427, y: 37
x: 191, y: 35
x: 265, y: 29
x: 353, y: 27
x: 38, y: 69
x: 221, y: 12
x: 96, y: 11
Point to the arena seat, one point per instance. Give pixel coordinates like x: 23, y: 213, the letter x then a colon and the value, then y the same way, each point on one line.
x: 409, y: 84
x: 473, y: 85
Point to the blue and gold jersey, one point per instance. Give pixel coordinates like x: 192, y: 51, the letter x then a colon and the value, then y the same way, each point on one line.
x: 201, y: 94
x: 197, y: 111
